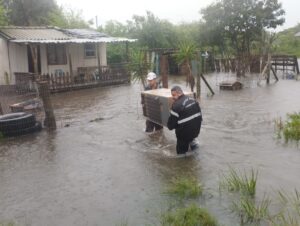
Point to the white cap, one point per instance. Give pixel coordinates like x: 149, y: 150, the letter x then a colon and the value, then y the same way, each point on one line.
x: 151, y: 76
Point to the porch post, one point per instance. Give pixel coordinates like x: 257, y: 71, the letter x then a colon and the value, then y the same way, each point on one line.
x: 33, y: 49
x: 70, y: 62
x: 98, y: 57
x: 127, y: 52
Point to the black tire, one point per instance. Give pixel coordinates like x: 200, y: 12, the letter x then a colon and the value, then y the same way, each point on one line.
x: 16, y: 121
x: 12, y: 133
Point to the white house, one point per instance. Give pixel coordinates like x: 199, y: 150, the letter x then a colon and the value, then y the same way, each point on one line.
x: 50, y: 50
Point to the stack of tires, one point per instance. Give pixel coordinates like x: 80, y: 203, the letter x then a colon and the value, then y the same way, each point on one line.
x: 16, y: 124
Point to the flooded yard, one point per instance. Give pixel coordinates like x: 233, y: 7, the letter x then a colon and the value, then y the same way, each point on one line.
x: 100, y: 168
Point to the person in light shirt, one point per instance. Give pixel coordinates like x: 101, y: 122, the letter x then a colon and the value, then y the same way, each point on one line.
x: 152, y: 84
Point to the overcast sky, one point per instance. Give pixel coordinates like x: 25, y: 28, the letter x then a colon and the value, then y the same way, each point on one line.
x: 172, y: 10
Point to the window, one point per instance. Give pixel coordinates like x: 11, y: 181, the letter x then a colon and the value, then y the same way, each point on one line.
x: 56, y: 54
x: 90, y: 50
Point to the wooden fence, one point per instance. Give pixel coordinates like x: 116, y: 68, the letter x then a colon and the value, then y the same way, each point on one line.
x: 86, y: 77
x: 257, y: 63
x: 285, y: 63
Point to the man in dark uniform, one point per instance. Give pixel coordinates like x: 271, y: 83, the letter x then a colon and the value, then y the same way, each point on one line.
x: 152, y: 84
x: 186, y: 118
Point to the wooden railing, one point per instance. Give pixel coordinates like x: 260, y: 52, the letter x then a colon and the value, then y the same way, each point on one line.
x: 86, y: 77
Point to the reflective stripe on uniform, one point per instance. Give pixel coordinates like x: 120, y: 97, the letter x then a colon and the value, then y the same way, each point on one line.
x: 189, y: 118
x: 174, y: 113
x: 189, y: 105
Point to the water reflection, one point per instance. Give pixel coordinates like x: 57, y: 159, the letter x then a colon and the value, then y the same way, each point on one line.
x: 102, y: 168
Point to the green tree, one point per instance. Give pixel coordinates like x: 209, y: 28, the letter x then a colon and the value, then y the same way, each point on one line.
x: 3, y: 14
x: 29, y: 12
x: 115, y: 28
x: 240, y: 22
x: 116, y: 52
x: 188, y: 32
x: 67, y: 18
x: 287, y: 43
x: 152, y: 32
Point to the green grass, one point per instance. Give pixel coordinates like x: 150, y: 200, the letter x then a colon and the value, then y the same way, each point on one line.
x: 189, y: 216
x: 290, y: 213
x: 237, y: 182
x: 7, y: 224
x: 284, y: 220
x: 288, y: 129
x: 291, y: 128
x: 250, y: 212
x: 293, y: 200
x: 187, y: 187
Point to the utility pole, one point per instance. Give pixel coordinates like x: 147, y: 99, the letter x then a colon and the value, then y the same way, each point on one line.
x: 96, y: 21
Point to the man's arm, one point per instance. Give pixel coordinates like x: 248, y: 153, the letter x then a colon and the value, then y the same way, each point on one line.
x: 173, y: 119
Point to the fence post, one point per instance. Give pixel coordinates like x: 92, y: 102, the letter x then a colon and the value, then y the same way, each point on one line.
x: 164, y: 70
x: 44, y: 91
x: 1, y: 111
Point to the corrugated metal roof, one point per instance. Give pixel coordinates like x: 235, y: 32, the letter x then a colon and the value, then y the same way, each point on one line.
x: 78, y: 40
x: 56, y: 35
x: 84, y: 33
x: 33, y: 33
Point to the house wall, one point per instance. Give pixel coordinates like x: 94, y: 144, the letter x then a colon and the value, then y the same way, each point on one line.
x: 79, y: 60
x: 18, y: 59
x: 76, y: 51
x: 4, y: 65
x: 13, y: 59
x: 50, y: 69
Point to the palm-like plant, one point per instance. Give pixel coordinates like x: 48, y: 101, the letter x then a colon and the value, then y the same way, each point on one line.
x: 138, y: 66
x: 184, y: 56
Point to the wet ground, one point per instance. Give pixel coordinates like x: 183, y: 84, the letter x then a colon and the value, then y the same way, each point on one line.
x: 99, y: 168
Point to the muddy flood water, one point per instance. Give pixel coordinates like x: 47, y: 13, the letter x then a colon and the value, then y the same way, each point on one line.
x: 100, y: 168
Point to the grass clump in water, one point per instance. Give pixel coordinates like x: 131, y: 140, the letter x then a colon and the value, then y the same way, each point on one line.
x: 249, y: 212
x: 290, y: 129
x: 285, y: 220
x: 290, y: 213
x: 235, y: 182
x: 291, y: 201
x: 185, y: 188
x: 189, y: 216
x: 125, y: 223
x: 7, y: 224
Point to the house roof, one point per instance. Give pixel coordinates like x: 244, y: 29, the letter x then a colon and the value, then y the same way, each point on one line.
x: 56, y: 35
x: 84, y: 33
x: 297, y: 34
x: 32, y: 33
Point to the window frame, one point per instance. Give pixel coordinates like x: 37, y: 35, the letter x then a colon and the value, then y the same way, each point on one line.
x: 58, y: 52
x: 94, y: 49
